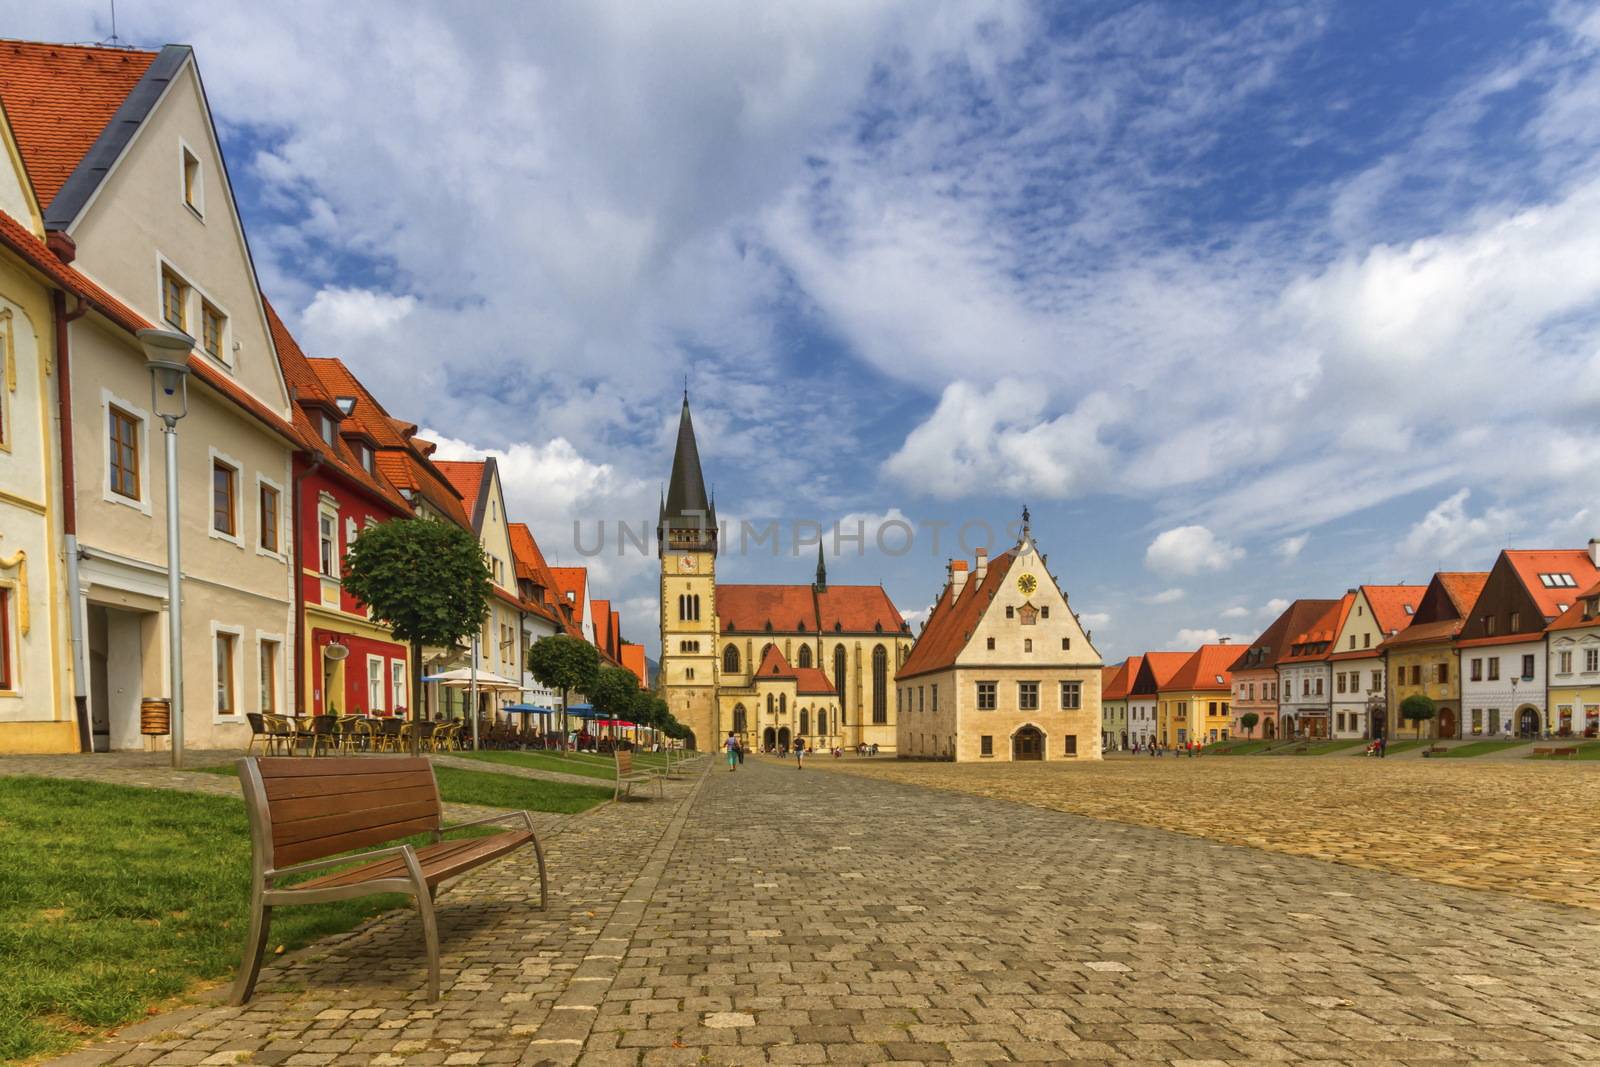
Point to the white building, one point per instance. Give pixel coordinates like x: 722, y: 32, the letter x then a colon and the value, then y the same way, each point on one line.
x: 1359, y: 698
x: 1305, y: 676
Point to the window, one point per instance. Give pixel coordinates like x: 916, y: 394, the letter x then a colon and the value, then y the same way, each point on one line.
x: 124, y: 469
x: 327, y: 426
x: 224, y: 494
x: 1340, y: 677
x: 1011, y: 612
x: 1591, y: 659
x: 986, y: 695
x: 211, y: 330
x: 1564, y: 661
x: 7, y: 682
x: 174, y: 298
x: 805, y: 656
x: 1377, y: 681
x: 193, y: 193
x: 986, y: 745
x: 1477, y: 670
x: 1366, y: 640
x: 839, y: 660
x: 1027, y: 644
x: 1066, y: 644
x: 328, y: 543
x: 989, y: 644
x: 1494, y: 720
x: 223, y: 667
x: 730, y: 660
x: 397, y: 684
x: 375, y: 683
x: 935, y: 688
x: 1488, y: 625
x: 1516, y: 621
x: 1319, y: 687
x: 880, y: 684
x: 1028, y: 696
x: 269, y: 518
x: 1352, y: 640
x: 1071, y: 696
x: 688, y: 673
x: 1527, y: 667
x: 1072, y: 745
x: 267, y: 700
x: 1494, y: 669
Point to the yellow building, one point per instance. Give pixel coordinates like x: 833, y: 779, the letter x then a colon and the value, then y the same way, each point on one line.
x: 1002, y: 671
x: 1573, y: 645
x: 1422, y: 658
x: 1195, y: 703
x: 37, y: 713
x: 715, y: 637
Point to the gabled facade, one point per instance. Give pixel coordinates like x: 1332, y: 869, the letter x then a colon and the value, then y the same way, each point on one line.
x: 1573, y: 662
x: 500, y: 649
x: 1360, y: 689
x: 1502, y: 640
x: 137, y: 208
x: 544, y: 614
x: 348, y: 664
x: 786, y: 704
x: 1002, y: 670
x: 1422, y: 658
x: 1256, y: 686
x: 1115, y: 681
x: 1305, y: 677
x: 1155, y: 672
x: 1194, y: 701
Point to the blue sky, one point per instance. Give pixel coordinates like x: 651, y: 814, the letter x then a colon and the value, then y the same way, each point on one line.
x: 1247, y: 302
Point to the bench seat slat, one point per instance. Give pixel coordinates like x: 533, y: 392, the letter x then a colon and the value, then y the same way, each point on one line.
x: 340, y: 823
x: 299, y: 809
x: 339, y: 766
x: 443, y: 860
x: 278, y: 789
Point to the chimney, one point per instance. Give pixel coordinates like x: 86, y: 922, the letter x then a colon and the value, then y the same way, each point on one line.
x: 982, y: 566
x: 958, y: 577
x: 1594, y: 550
x: 62, y: 244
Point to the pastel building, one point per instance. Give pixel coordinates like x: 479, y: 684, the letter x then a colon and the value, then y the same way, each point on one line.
x: 1423, y: 658
x: 1195, y: 701
x: 1573, y: 662
x: 1305, y: 677
x: 1360, y: 690
x: 1256, y: 684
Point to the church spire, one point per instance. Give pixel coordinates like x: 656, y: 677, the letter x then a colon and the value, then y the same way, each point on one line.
x: 821, y: 584
x: 686, y: 506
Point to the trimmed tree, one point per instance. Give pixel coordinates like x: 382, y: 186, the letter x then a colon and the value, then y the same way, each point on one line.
x: 427, y: 582
x: 564, y: 663
x: 1248, y: 720
x: 1418, y: 709
x: 614, y: 691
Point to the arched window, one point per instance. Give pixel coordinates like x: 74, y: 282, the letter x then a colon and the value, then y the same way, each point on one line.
x: 738, y: 719
x: 880, y: 684
x: 769, y: 703
x: 838, y: 681
x: 683, y: 607
x: 805, y: 655
x: 694, y: 607
x: 783, y: 703
x: 805, y: 721
x: 730, y: 659
x: 822, y: 723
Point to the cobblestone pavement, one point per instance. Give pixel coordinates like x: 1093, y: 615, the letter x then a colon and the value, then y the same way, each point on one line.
x: 791, y: 917
x: 1523, y: 828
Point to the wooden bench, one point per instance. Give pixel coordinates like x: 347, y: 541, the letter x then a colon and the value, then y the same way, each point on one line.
x: 1554, y: 750
x: 627, y: 777
x: 305, y: 813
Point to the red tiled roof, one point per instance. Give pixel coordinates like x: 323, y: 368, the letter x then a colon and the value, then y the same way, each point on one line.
x: 808, y: 680
x: 603, y: 637
x: 574, y: 581
x: 1314, y: 642
x: 950, y: 625
x: 465, y: 477
x: 1160, y: 667
x: 1463, y: 587
x: 32, y: 250
x: 857, y: 609
x: 1574, y: 616
x: 1423, y: 633
x: 1119, y: 679
x: 1265, y: 652
x: 59, y: 97
x: 1389, y: 604
x: 788, y: 608
x: 1530, y: 563
x: 633, y: 660
x: 1206, y: 668
x: 532, y: 567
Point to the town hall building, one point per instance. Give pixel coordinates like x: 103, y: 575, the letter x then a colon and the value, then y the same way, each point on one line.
x: 772, y: 663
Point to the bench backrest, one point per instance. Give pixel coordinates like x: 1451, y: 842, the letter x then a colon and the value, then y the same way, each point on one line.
x: 624, y: 763
x: 306, y: 809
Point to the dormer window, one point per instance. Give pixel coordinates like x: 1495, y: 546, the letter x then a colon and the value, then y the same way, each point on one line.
x: 328, y: 426
x: 345, y: 404
x: 364, y: 453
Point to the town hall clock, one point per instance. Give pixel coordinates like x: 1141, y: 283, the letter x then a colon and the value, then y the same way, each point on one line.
x: 1026, y: 584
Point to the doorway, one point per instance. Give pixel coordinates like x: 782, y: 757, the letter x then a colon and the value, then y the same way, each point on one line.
x: 1027, y: 744
x: 1447, y: 723
x: 769, y: 739
x: 1528, y: 722
x: 783, y: 737
x: 117, y: 643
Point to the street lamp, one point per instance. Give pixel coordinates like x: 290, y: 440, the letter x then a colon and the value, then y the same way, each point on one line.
x: 166, y: 353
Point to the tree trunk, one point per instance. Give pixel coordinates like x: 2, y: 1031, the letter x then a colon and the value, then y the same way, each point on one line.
x: 416, y: 698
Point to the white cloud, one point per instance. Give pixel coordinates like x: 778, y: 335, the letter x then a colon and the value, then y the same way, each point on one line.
x: 1094, y: 619
x: 1447, y: 534
x: 1275, y: 607
x: 1290, y: 547
x: 1190, y: 550
x: 1236, y: 613
x: 1166, y: 596
x: 1191, y: 637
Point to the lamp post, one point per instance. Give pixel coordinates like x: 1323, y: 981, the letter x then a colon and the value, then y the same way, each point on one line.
x: 166, y: 353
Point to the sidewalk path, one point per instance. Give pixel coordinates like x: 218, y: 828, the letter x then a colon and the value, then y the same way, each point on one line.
x: 783, y: 916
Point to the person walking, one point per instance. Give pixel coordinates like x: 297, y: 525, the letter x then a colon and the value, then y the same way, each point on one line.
x: 800, y: 753
x: 731, y: 745
x: 740, y: 750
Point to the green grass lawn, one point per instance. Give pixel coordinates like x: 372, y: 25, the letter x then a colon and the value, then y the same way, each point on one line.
x: 1322, y: 748
x: 1587, y: 750
x: 547, y: 761
x: 115, y: 898
x: 1235, y: 748
x: 1477, y: 748
x: 491, y: 790
x: 1401, y: 746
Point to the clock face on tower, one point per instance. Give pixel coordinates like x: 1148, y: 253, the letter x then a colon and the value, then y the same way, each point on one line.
x: 1026, y: 584
x: 690, y: 563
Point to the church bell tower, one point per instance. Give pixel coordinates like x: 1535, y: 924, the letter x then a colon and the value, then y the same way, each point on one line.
x: 686, y: 540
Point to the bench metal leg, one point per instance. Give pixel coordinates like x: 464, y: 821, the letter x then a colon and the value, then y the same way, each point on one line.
x: 255, y: 944
x: 430, y: 928
x: 544, y: 885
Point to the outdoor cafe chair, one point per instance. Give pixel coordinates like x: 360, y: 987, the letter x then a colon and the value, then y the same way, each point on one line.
x: 390, y: 731
x: 324, y: 732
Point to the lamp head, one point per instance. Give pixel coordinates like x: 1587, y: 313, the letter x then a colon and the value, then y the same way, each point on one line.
x: 166, y: 353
